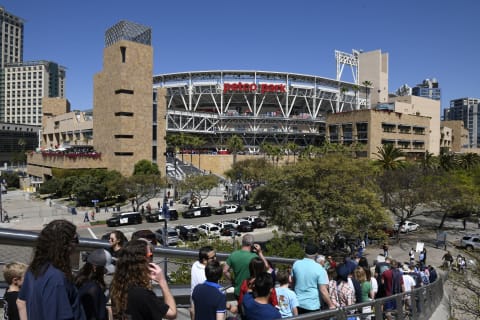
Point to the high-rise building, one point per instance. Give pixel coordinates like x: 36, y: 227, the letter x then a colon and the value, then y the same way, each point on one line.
x: 11, y: 38
x: 428, y: 89
x: 26, y: 84
x: 466, y: 109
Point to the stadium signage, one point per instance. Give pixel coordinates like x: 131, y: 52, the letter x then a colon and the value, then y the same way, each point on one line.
x: 253, y: 87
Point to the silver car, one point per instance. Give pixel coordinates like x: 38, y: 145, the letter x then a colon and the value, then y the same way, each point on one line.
x: 471, y: 242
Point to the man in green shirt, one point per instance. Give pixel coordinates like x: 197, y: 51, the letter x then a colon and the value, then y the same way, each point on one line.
x: 239, y: 260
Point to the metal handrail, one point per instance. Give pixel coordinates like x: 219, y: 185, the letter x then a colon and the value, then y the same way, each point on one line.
x: 424, y: 300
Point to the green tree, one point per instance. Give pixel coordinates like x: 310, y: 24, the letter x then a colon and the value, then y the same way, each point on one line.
x: 447, y: 161
x: 145, y: 167
x: 234, y: 145
x: 309, y: 152
x: 199, y: 185
x: 324, y: 196
x: 404, y: 191
x: 197, y: 142
x: 468, y: 160
x: 390, y: 157
x: 428, y: 162
x: 251, y: 170
x: 292, y: 147
x: 454, y: 192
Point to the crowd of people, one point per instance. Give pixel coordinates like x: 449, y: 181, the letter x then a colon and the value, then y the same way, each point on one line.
x: 49, y: 289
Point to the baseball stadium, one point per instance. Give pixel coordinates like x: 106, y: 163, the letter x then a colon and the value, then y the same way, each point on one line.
x: 258, y: 106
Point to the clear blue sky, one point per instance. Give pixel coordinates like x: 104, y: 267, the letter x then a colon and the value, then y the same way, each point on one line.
x: 424, y: 39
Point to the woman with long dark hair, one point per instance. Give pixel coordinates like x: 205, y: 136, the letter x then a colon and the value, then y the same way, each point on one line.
x: 131, y: 289
x: 48, y: 291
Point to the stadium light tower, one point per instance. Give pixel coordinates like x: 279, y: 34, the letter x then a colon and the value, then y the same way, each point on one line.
x: 350, y: 59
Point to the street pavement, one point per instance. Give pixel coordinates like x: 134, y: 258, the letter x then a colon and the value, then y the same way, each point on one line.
x: 29, y: 213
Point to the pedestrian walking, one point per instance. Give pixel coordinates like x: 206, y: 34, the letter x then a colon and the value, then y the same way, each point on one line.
x: 385, y: 249
x: 411, y: 255
x: 464, y: 224
x: 85, y: 217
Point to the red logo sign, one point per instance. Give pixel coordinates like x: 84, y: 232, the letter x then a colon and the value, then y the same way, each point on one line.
x: 252, y: 87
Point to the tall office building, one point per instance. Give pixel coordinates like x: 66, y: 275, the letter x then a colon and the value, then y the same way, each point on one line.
x: 428, y: 89
x: 23, y: 84
x: 466, y: 109
x: 26, y: 84
x: 11, y: 40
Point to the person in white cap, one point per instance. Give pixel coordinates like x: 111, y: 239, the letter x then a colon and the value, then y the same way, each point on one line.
x: 91, y: 284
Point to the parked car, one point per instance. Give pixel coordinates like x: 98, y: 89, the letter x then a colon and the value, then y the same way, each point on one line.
x: 407, y: 226
x: 198, y: 212
x: 172, y: 236
x: 188, y: 233
x: 229, y: 230
x: 243, y: 225
x: 124, y: 218
x: 229, y: 208
x: 257, y: 222
x: 145, y: 234
x: 157, y: 216
x: 253, y: 206
x: 209, y: 229
x: 470, y: 242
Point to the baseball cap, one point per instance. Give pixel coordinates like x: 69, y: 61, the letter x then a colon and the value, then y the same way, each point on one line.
x: 102, y: 258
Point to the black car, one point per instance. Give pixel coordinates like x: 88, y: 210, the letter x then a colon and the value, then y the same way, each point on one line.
x: 253, y: 206
x: 188, y: 233
x: 228, y: 230
x: 244, y: 225
x: 158, y: 215
x: 198, y: 212
x: 259, y: 223
x: 122, y: 218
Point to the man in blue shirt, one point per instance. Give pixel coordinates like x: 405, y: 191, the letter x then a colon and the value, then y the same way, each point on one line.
x: 309, y: 279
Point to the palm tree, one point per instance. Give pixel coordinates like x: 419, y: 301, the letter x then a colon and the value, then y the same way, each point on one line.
x: 197, y: 142
x: 267, y: 149
x: 390, y: 157
x: 428, y: 161
x: 234, y: 145
x: 468, y: 160
x: 367, y: 85
x: 291, y: 147
x: 447, y: 161
x: 309, y: 152
x: 343, y: 90
x: 355, y: 90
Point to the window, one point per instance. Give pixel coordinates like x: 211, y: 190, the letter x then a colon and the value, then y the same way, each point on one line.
x: 123, y: 51
x: 123, y: 114
x: 125, y: 91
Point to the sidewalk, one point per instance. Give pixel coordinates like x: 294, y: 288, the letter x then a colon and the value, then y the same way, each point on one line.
x: 28, y: 213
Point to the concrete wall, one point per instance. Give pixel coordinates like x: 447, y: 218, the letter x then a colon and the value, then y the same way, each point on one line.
x: 122, y: 112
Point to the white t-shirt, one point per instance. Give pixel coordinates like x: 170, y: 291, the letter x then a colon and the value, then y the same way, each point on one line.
x: 408, y: 282
x: 197, y: 275
x: 374, y: 283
